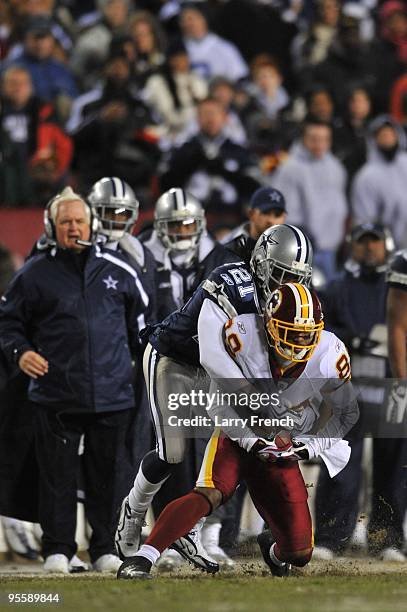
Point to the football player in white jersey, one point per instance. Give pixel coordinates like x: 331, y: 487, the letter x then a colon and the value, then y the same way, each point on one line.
x: 311, y: 368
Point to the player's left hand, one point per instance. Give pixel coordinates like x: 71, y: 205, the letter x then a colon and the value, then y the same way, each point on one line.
x: 281, y: 447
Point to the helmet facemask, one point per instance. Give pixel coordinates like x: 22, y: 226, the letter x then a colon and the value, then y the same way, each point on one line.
x: 270, y: 274
x: 294, y: 322
x: 176, y: 240
x: 295, y: 341
x: 116, y: 220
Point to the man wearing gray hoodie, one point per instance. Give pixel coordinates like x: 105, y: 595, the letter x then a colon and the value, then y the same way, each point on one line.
x: 313, y: 182
x: 379, y: 189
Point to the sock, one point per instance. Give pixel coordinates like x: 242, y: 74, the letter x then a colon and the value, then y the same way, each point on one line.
x: 177, y: 519
x: 142, y: 493
x: 148, y: 552
x: 210, y: 534
x: 273, y: 557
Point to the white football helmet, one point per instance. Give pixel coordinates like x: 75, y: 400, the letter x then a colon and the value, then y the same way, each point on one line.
x: 116, y: 206
x: 282, y: 254
x: 175, y: 210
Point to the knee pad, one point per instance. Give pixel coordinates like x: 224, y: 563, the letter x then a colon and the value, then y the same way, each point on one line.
x: 154, y: 468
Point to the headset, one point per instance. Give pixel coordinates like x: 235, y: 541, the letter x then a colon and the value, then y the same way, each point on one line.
x: 49, y: 225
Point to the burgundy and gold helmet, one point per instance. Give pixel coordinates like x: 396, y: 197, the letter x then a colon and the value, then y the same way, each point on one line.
x: 294, y: 321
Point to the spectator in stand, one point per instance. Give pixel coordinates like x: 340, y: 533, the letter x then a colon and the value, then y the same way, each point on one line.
x: 311, y: 47
x: 6, y: 28
x: 398, y: 100
x: 174, y: 91
x: 349, y: 138
x: 149, y: 42
x: 53, y: 82
x: 313, y: 182
x: 393, y: 28
x: 320, y: 104
x: 92, y: 46
x: 210, y: 55
x: 350, y: 60
x: 36, y: 152
x: 379, y: 189
x: 267, y: 115
x: 112, y: 130
x: 63, y: 26
x: 210, y: 166
x: 222, y: 90
x: 267, y: 90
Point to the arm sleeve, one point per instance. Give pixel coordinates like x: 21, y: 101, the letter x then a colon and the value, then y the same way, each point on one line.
x: 138, y: 314
x: 220, y: 365
x: 14, y: 317
x: 212, y: 352
x: 345, y: 413
x: 339, y: 396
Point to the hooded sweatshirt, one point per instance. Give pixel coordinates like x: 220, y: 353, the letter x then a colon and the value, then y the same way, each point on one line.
x: 379, y: 190
x: 314, y: 190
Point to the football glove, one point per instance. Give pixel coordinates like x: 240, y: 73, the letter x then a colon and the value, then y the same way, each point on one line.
x: 397, y: 404
x: 278, y: 448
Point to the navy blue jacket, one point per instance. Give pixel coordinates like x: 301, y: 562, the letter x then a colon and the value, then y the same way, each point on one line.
x: 355, y: 303
x: 83, y: 314
x: 177, y: 335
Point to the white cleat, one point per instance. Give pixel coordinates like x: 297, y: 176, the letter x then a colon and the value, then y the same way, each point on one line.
x: 322, y: 553
x: 169, y: 561
x: 56, y: 564
x: 77, y: 566
x: 210, y: 542
x: 392, y: 554
x: 218, y: 554
x: 107, y: 563
x: 190, y: 548
x: 128, y: 532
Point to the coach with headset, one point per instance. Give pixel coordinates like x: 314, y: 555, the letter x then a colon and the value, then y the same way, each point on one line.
x: 70, y: 319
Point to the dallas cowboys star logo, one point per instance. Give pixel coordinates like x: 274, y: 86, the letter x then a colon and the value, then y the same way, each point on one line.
x: 110, y: 282
x: 275, y: 197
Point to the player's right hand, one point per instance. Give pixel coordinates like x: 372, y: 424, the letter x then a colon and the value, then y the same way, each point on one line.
x: 33, y: 364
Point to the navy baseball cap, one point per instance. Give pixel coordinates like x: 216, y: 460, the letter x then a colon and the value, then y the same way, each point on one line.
x: 368, y: 229
x: 267, y: 199
x: 39, y: 25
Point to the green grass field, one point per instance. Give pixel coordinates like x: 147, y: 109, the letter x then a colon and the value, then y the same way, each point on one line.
x: 351, y: 586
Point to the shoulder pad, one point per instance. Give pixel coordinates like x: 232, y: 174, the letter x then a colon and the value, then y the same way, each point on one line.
x: 338, y: 360
x: 397, y: 271
x: 235, y: 282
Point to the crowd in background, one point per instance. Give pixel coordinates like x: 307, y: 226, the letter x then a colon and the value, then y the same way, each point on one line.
x: 216, y: 97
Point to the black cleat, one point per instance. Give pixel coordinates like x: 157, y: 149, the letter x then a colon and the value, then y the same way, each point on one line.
x: 265, y: 540
x: 135, y: 568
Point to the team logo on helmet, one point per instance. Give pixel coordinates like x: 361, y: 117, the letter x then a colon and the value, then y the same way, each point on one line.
x: 275, y: 301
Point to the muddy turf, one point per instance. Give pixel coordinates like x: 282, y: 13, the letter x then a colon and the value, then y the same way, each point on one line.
x: 341, y: 586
